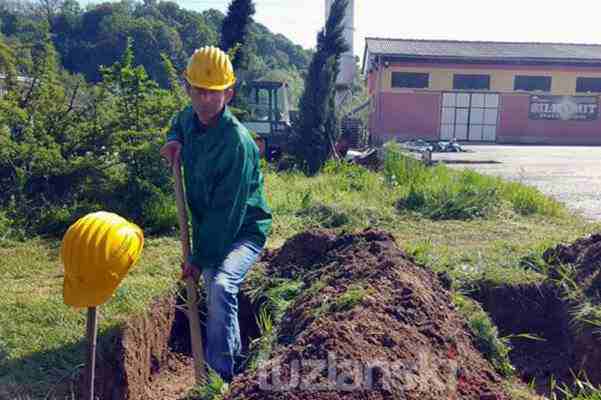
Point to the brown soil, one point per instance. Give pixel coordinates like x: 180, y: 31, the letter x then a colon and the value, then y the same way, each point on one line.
x: 540, y: 310
x: 149, y: 356
x: 130, y: 357
x: 401, y: 339
x: 585, y: 255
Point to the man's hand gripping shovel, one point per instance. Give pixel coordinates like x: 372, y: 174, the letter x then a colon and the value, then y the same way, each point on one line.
x: 192, y: 297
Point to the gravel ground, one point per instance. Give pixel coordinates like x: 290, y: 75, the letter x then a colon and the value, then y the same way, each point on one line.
x: 571, y: 174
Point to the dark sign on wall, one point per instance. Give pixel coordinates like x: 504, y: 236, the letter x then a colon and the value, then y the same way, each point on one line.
x: 565, y: 108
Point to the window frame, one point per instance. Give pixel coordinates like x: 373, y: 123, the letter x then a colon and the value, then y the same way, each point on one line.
x: 416, y: 76
x: 485, y: 87
x: 581, y: 78
x: 548, y: 80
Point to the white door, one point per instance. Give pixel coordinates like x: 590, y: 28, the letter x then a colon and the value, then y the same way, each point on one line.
x: 469, y: 116
x: 447, y: 122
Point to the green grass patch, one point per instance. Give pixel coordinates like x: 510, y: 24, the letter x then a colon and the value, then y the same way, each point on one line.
x: 214, y: 389
x: 441, y: 193
x: 582, y: 389
x: 495, y: 349
x: 352, y: 296
x: 41, y: 340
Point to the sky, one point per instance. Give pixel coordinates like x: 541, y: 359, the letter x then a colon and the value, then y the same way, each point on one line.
x: 505, y: 20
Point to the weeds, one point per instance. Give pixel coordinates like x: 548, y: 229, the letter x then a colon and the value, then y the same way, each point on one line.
x: 272, y: 297
x: 215, y: 388
x: 495, y: 349
x: 440, y: 193
x: 353, y: 296
x: 581, y: 389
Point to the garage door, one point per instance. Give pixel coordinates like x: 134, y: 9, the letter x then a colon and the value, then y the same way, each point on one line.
x: 469, y: 116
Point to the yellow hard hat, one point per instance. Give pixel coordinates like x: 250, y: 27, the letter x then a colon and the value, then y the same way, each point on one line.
x: 97, y: 252
x: 210, y: 68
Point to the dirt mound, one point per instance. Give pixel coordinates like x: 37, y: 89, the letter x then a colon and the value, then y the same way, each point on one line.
x: 370, y: 324
x: 585, y: 255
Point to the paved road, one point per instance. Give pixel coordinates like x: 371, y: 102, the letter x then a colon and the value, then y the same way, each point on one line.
x: 572, y: 175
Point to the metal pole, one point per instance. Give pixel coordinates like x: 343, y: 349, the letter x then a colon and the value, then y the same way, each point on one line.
x: 191, y: 298
x: 91, y: 334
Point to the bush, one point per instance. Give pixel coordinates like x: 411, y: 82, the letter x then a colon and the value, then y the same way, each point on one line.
x: 57, y: 163
x: 159, y: 214
x: 354, y: 177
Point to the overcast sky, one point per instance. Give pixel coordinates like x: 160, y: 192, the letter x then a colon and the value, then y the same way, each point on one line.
x: 506, y: 20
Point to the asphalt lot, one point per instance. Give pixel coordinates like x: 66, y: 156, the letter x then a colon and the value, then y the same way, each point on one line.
x: 571, y: 174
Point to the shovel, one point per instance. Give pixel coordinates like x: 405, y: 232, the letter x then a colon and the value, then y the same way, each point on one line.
x: 191, y: 298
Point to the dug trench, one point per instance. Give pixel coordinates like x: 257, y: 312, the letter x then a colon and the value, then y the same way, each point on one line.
x: 149, y: 356
x: 560, y: 347
x: 368, y: 323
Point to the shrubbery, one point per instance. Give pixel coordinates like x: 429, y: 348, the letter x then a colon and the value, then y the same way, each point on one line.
x: 64, y: 153
x: 441, y: 193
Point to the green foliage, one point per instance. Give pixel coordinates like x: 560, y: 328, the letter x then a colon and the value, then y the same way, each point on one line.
x: 318, y: 127
x: 352, y: 176
x: 440, y: 193
x: 495, y: 349
x: 534, y: 261
x: 528, y: 200
x: 215, y: 389
x: 271, y: 297
x: 581, y: 389
x: 64, y: 154
x: 324, y: 216
x: 351, y: 297
x: 97, y: 35
x: 235, y: 29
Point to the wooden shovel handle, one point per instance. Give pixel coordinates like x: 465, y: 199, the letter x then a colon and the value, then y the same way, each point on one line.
x: 191, y: 298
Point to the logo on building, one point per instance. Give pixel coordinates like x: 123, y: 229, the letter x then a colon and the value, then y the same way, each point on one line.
x: 564, y: 108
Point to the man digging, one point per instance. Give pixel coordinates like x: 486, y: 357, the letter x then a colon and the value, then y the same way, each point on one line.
x: 225, y: 196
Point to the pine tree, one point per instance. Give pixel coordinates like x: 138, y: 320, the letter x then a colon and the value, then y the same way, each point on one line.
x: 234, y: 31
x: 318, y: 126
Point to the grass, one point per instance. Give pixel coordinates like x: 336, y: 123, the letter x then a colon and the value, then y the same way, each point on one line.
x: 495, y: 349
x: 498, y: 240
x: 214, y: 389
x: 42, y: 339
x: 441, y: 193
x: 351, y: 297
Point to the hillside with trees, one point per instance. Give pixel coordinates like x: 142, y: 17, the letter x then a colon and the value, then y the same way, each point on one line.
x: 87, y: 97
x: 85, y: 38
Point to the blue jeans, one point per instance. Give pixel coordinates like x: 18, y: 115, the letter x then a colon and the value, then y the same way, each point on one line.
x: 222, y: 284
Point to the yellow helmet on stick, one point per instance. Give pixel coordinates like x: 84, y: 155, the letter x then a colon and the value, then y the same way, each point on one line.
x: 97, y: 252
x: 210, y: 68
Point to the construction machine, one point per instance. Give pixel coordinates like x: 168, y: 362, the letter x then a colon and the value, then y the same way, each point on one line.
x: 269, y: 115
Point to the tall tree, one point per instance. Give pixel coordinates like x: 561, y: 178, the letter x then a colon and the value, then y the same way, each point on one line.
x: 234, y: 31
x: 318, y: 126
x: 47, y: 10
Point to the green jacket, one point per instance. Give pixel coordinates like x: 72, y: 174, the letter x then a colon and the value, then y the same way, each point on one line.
x: 224, y: 185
